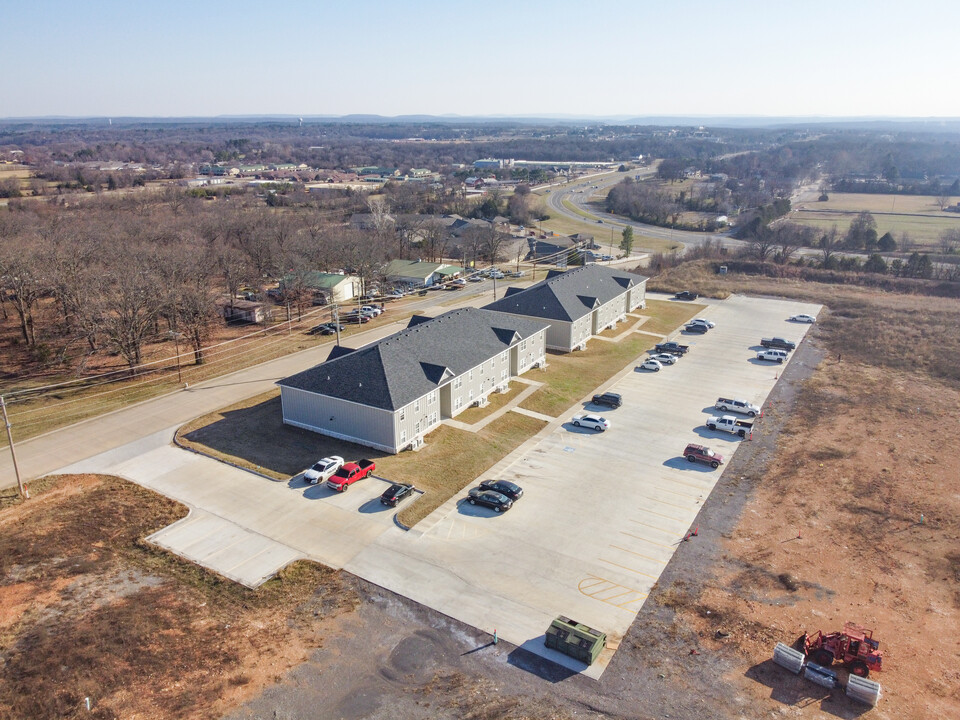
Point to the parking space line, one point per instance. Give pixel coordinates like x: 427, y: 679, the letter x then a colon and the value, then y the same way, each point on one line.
x: 666, y: 517
x: 664, y: 502
x: 685, y: 495
x: 638, y: 572
x: 645, y: 557
x: 652, y: 527
x: 652, y: 542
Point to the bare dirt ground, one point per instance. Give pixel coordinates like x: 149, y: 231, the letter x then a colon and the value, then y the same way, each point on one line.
x: 87, y: 610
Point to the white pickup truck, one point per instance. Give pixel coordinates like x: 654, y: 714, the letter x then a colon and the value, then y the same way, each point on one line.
x: 737, y: 406
x: 730, y: 424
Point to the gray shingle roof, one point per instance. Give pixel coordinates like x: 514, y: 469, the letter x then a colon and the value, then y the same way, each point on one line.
x: 568, y: 295
x: 393, y: 372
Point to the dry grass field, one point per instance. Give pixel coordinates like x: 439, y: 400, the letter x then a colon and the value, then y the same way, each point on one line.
x: 917, y: 215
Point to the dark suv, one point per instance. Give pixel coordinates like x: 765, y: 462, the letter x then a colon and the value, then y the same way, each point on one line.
x: 610, y: 399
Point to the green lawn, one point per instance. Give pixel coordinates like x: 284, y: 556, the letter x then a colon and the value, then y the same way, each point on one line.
x: 495, y: 402
x: 667, y: 315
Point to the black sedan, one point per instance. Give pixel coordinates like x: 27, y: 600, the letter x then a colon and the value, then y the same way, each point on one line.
x: 395, y: 493
x: 686, y: 295
x: 504, y: 487
x: 695, y: 328
x: 491, y: 499
x: 322, y: 329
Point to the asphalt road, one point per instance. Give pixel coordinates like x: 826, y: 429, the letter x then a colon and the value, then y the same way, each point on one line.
x: 569, y: 192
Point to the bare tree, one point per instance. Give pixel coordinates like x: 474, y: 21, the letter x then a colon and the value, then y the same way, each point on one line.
x: 829, y: 245
x: 762, y: 245
x: 131, y: 303
x: 943, y: 199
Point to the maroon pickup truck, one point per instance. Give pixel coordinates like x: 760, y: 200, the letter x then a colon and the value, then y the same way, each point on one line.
x: 350, y: 473
x: 695, y: 453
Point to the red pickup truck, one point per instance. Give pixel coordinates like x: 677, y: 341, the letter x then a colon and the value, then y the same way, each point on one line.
x: 350, y: 473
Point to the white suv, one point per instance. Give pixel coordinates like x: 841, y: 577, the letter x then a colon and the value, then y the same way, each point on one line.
x: 777, y: 356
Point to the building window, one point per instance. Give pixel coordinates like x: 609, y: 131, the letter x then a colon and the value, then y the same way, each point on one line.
x: 471, y: 396
x: 403, y: 436
x: 416, y: 406
x: 458, y: 403
x: 403, y: 414
x: 523, y: 345
x: 471, y: 374
x: 416, y: 430
x: 433, y: 396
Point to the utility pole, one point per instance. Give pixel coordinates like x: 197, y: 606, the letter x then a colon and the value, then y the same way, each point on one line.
x: 13, y: 453
x: 336, y: 320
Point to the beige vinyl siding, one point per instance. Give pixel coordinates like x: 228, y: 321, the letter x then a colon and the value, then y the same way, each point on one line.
x: 338, y: 418
x: 417, y: 419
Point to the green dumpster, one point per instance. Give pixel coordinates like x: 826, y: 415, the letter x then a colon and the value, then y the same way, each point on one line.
x: 575, y: 639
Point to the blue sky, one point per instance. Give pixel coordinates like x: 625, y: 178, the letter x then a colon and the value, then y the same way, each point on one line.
x: 573, y: 57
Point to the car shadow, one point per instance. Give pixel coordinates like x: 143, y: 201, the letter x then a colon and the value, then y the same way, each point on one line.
x: 465, y: 508
x: 756, y: 348
x: 592, y: 407
x: 374, y: 506
x: 644, y: 370
x: 570, y: 427
x: 705, y: 432
x: 319, y: 492
x: 763, y: 363
x: 681, y: 463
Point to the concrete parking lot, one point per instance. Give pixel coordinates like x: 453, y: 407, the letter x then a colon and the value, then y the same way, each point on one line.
x: 601, y: 517
x: 602, y: 513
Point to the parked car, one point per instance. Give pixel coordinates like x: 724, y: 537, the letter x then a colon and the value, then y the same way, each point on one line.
x: 275, y: 294
x: 395, y: 493
x: 695, y: 328
x: 703, y: 321
x: 778, y: 342
x: 395, y: 294
x: 777, y: 356
x: 517, y: 273
x: 321, y: 329
x: 352, y: 317
x: 803, y: 318
x: 349, y: 473
x: 700, y: 453
x: 504, y: 487
x: 730, y: 424
x: 594, y: 422
x: 686, y: 295
x: 375, y: 309
x: 606, y: 257
x: 610, y: 399
x: 496, y: 275
x: 323, y: 469
x: 674, y: 348
x: 650, y: 364
x: 489, y: 498
x: 664, y: 358
x: 475, y: 278
x: 739, y: 406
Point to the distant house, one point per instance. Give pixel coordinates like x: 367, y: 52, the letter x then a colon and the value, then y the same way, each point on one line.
x: 578, y: 303
x: 419, y: 273
x: 368, y: 221
x: 243, y: 311
x: 334, y: 287
x: 389, y: 394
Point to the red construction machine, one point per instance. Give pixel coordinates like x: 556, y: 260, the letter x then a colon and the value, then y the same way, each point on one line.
x: 853, y: 647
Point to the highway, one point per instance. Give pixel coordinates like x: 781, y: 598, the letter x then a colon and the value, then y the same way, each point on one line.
x: 579, y: 192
